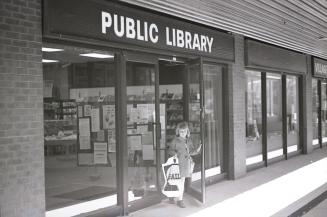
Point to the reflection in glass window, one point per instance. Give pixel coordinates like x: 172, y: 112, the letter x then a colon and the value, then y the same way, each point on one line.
x: 213, y: 124
x: 79, y: 128
x: 315, y: 112
x: 274, y: 115
x: 292, y: 101
x: 141, y: 137
x: 253, y: 108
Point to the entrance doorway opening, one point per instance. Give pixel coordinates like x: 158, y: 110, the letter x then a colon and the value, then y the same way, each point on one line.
x: 192, y: 91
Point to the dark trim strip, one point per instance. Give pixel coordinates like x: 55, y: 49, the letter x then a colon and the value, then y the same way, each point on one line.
x: 264, y: 117
x: 121, y: 145
x: 313, y: 203
x: 284, y: 115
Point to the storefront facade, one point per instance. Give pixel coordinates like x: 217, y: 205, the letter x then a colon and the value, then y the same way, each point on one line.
x: 117, y: 85
x: 274, y: 104
x: 88, y: 119
x: 319, y: 97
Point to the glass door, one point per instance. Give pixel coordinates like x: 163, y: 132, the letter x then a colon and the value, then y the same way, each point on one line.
x: 324, y: 113
x: 143, y: 131
x: 274, y: 115
x: 195, y: 117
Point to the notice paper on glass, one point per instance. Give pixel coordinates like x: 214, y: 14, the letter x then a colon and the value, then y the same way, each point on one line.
x: 134, y: 116
x: 144, y: 113
x: 142, y: 129
x: 87, y: 110
x: 95, y: 119
x: 147, y: 139
x: 100, y: 155
x: 84, y: 126
x: 148, y: 152
x: 80, y: 111
x: 134, y: 142
x: 111, y: 141
x: 84, y: 143
x: 84, y: 133
x: 101, y: 136
x: 108, y: 116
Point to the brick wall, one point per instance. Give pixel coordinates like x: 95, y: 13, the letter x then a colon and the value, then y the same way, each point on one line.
x: 21, y: 109
x: 236, y: 95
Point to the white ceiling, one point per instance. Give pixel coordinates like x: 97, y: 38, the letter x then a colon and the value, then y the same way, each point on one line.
x: 293, y: 24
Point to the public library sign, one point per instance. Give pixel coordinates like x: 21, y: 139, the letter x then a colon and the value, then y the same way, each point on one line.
x: 116, y: 23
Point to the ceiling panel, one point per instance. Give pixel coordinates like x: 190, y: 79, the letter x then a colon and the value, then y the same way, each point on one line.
x: 294, y: 24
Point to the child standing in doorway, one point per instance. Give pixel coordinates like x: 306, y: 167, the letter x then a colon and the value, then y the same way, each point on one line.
x: 183, y: 148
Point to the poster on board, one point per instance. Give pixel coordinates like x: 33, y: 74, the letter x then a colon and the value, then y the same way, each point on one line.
x: 80, y: 111
x: 100, y: 154
x: 111, y: 140
x: 84, y: 133
x: 95, y: 119
x: 87, y: 110
x: 108, y: 116
x: 143, y: 113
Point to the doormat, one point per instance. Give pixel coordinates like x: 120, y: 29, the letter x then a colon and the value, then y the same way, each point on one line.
x: 92, y: 192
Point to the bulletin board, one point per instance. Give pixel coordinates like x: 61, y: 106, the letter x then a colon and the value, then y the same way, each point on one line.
x: 96, y: 133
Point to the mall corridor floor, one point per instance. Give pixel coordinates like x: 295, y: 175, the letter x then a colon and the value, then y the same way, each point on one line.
x: 278, y: 190
x: 318, y: 211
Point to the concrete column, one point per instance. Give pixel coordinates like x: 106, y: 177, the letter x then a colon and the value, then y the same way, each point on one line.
x: 236, y: 104
x: 21, y: 110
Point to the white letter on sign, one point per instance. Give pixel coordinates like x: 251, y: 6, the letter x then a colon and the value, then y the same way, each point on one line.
x: 106, y: 21
x: 153, y: 29
x: 210, y: 43
x: 130, y: 28
x: 120, y: 33
x: 180, y: 38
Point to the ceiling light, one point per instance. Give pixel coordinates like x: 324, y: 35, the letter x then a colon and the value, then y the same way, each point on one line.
x: 274, y: 77
x: 97, y: 55
x: 49, y: 61
x: 49, y: 49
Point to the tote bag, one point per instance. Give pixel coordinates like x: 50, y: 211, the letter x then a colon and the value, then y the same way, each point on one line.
x: 173, y: 182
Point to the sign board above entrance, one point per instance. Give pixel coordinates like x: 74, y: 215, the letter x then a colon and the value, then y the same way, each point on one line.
x: 121, y: 24
x: 319, y: 68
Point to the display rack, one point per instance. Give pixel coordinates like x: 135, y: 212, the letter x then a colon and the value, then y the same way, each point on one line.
x: 55, y: 109
x: 51, y: 108
x: 59, y: 127
x: 174, y: 115
x: 68, y: 109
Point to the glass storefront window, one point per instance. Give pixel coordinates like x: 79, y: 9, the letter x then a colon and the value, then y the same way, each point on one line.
x: 324, y: 112
x: 292, y: 114
x: 253, y: 108
x: 315, y: 112
x: 79, y: 127
x: 274, y: 115
x: 213, y: 123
